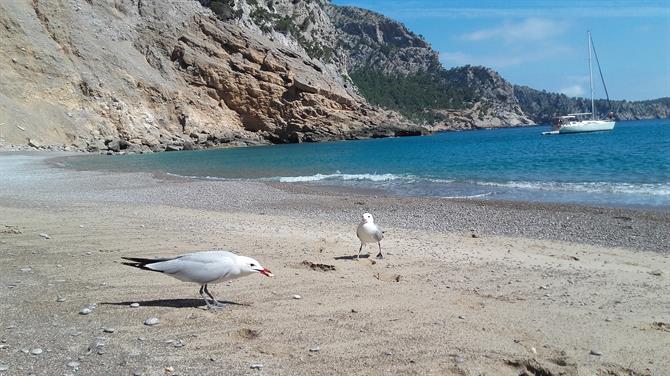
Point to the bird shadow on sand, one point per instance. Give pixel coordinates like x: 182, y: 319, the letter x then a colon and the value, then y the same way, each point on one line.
x: 172, y: 303
x: 351, y: 257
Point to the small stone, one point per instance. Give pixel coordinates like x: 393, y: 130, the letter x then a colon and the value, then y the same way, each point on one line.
x: 4, y: 367
x: 388, y: 353
x: 60, y: 299
x: 134, y: 305
x: 73, y: 364
x: 108, y: 330
x: 257, y: 366
x: 461, y: 317
x: 543, y: 287
x: 45, y: 236
x: 169, y: 369
x: 315, y: 349
x: 27, y: 270
x: 596, y: 352
x: 458, y: 359
x: 297, y: 297
x: 36, y: 351
x: 178, y: 343
x: 85, y: 311
x: 151, y: 321
x: 608, y: 319
x: 533, y: 350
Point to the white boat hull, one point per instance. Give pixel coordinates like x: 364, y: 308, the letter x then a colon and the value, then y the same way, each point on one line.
x: 587, y: 126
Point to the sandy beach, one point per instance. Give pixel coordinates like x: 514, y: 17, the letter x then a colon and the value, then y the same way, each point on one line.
x: 466, y: 288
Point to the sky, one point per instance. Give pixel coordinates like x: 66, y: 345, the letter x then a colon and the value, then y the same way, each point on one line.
x: 543, y: 44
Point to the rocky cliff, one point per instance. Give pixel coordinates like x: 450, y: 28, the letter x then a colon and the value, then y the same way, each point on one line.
x: 150, y: 75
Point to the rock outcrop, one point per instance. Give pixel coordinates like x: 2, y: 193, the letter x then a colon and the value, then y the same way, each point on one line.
x: 147, y: 76
x: 495, y: 106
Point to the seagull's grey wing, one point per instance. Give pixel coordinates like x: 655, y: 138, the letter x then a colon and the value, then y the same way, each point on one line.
x: 378, y: 234
x: 199, y: 267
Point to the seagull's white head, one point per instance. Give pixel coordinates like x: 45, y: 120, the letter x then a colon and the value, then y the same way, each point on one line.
x: 249, y: 266
x: 367, y: 218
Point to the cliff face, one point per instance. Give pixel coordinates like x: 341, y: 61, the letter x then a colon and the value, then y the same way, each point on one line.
x: 138, y: 76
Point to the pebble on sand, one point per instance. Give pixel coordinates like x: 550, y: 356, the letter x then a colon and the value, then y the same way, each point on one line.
x: 85, y: 311
x: 256, y: 366
x: 36, y: 351
x: 596, y: 352
x: 151, y: 321
x: 108, y: 330
x: 315, y: 349
x: 4, y: 367
x: 297, y: 297
x: 45, y: 236
x: 73, y: 364
x: 134, y: 305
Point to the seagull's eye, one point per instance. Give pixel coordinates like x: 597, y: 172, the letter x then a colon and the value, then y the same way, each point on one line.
x: 252, y: 265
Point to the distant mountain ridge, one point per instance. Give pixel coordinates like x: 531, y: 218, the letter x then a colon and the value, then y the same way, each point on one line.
x: 542, y: 106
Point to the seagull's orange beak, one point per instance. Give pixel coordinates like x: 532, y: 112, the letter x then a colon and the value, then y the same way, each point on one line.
x: 266, y: 272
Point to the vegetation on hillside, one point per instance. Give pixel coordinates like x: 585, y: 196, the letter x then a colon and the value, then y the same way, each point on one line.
x: 542, y: 106
x: 412, y: 95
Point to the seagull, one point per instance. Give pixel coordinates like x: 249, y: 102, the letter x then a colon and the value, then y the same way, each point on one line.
x: 202, y: 268
x: 369, y: 232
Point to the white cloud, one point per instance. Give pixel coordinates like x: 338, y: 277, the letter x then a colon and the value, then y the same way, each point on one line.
x: 452, y: 59
x: 575, y: 90
x: 530, y: 29
x: 502, y: 60
x: 565, y: 9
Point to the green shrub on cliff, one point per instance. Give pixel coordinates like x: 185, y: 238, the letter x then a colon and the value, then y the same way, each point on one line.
x: 413, y: 95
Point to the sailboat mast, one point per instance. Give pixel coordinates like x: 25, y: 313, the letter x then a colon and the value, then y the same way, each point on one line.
x: 593, y: 106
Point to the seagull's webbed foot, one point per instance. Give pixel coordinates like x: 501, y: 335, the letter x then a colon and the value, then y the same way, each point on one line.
x: 379, y: 256
x: 213, y: 303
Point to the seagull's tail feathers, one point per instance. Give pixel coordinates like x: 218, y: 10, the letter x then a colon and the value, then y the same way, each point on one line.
x: 143, y: 263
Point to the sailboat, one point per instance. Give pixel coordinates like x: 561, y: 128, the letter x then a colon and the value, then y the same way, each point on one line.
x: 580, y: 122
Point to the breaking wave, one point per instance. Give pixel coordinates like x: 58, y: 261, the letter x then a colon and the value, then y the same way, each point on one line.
x: 343, y: 177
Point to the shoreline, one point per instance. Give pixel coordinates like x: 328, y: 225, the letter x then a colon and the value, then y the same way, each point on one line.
x: 637, y: 228
x: 443, y: 301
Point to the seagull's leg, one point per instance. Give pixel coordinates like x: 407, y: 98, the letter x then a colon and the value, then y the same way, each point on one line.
x: 379, y: 255
x: 202, y: 294
x: 212, y: 305
x: 215, y: 303
x: 359, y: 251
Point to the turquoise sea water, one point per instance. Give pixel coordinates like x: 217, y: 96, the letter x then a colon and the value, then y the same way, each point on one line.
x: 629, y: 166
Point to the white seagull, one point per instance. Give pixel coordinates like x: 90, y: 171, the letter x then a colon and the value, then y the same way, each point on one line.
x: 202, y: 268
x: 369, y: 232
